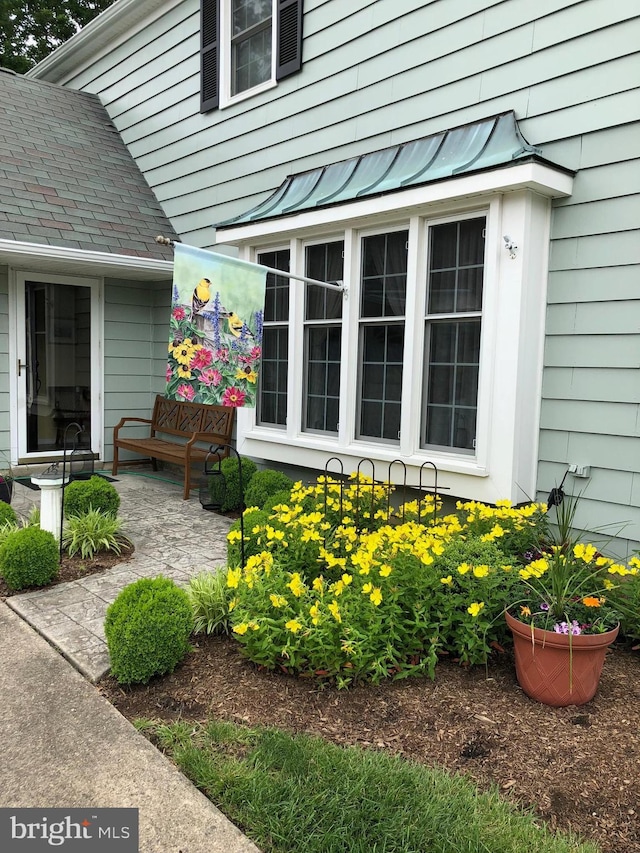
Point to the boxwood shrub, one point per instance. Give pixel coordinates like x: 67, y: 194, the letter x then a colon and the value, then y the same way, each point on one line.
x: 147, y: 629
x: 264, y: 484
x: 29, y: 556
x: 94, y: 493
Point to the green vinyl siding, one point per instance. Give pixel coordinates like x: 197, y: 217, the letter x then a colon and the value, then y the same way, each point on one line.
x: 5, y: 438
x: 379, y: 72
x: 130, y: 365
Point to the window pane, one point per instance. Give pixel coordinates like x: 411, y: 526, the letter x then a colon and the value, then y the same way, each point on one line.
x: 456, y: 266
x: 452, y: 383
x: 276, y: 306
x: 381, y: 381
x: 322, y: 370
x: 384, y: 275
x: 248, y: 13
x: 324, y: 262
x: 471, y: 242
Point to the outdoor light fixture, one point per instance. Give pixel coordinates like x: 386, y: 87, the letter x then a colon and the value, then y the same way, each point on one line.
x: 510, y: 246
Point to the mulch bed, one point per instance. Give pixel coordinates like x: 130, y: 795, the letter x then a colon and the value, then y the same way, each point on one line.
x: 75, y: 568
x: 576, y: 767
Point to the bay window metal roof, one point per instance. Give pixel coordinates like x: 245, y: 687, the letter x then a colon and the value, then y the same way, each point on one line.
x: 487, y: 144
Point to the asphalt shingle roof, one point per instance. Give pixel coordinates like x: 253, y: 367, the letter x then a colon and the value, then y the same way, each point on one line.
x: 67, y: 178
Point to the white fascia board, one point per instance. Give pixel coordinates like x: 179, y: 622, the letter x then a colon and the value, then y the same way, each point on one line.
x: 67, y: 260
x: 101, y: 35
x: 539, y: 177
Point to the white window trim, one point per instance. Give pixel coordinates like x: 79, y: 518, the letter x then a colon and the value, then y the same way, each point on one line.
x: 513, y: 316
x: 17, y: 279
x: 226, y: 98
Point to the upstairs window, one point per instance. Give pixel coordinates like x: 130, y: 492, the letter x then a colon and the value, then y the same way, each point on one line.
x: 246, y: 46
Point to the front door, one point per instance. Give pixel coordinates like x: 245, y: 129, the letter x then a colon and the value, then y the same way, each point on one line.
x: 56, y: 366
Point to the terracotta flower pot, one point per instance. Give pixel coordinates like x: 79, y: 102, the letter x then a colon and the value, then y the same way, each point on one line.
x: 550, y: 671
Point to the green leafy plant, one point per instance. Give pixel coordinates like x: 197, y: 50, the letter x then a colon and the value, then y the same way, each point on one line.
x: 264, y: 484
x: 29, y: 556
x: 7, y: 514
x: 92, y: 532
x: 277, y: 499
x: 94, y: 493
x: 232, y: 498
x: 147, y: 629
x: 625, y: 598
x: 209, y: 596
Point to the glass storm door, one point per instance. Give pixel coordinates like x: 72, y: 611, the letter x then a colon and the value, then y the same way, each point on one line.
x: 54, y: 366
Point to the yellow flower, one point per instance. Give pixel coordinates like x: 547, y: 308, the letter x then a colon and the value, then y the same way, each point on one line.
x: 232, y: 604
x: 481, y: 571
x: 475, y: 608
x: 254, y: 626
x: 385, y: 570
x: 366, y: 589
x: 293, y: 625
x: 346, y: 579
x: 463, y: 568
x: 318, y: 584
x: 314, y: 612
x: 183, y: 372
x: 242, y: 628
x: 335, y: 610
x: 525, y: 611
x: 234, y: 536
x: 585, y: 552
x: 278, y: 600
x: 376, y: 596
x: 233, y: 578
x: 296, y: 585
x: 608, y: 584
x: 448, y: 580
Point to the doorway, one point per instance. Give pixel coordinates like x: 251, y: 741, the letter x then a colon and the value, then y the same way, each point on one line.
x: 56, y: 366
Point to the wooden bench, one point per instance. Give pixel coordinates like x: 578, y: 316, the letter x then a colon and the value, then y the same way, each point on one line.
x: 195, y: 422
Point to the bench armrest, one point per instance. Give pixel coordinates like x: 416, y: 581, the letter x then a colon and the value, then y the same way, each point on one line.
x: 123, y: 421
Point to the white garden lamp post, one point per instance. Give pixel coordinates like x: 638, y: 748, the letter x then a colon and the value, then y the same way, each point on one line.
x: 51, y: 483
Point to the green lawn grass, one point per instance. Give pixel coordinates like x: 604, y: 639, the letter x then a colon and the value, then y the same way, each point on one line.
x: 300, y: 794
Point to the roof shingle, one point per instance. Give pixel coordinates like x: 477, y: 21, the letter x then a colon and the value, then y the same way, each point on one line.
x: 66, y: 176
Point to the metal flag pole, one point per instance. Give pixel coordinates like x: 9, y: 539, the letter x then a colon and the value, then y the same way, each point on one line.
x: 167, y: 241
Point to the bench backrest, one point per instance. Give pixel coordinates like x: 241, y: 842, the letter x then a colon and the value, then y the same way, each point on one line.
x: 177, y: 417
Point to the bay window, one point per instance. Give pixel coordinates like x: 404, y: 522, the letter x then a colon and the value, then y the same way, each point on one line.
x: 434, y: 352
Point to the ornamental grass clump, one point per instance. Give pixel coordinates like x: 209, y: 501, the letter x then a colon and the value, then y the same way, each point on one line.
x: 147, y: 629
x: 93, y: 532
x: 209, y: 597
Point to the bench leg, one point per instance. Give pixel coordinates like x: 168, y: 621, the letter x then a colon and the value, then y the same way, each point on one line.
x: 187, y: 482
x: 154, y: 464
x: 114, y: 464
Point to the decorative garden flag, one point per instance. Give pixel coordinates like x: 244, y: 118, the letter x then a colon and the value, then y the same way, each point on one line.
x: 215, y: 340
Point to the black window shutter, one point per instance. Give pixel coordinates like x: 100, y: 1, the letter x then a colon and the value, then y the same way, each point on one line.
x: 289, y: 54
x: 209, y: 55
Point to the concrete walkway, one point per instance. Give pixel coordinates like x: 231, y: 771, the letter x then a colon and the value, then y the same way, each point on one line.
x: 63, y: 744
x: 172, y: 537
